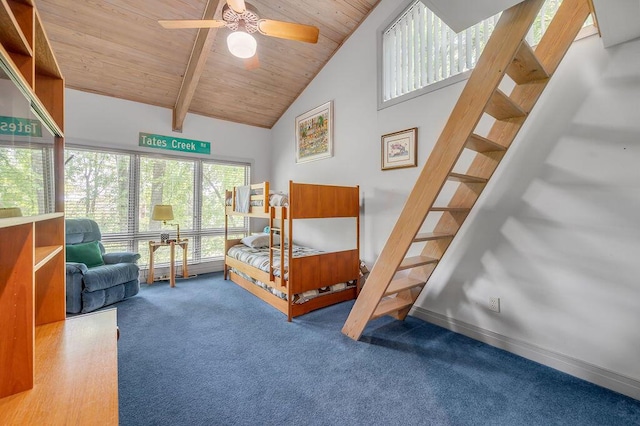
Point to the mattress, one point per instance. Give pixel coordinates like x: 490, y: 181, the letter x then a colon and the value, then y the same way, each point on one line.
x: 259, y: 258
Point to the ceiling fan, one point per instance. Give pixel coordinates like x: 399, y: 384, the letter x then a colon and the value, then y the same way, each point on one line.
x: 243, y: 20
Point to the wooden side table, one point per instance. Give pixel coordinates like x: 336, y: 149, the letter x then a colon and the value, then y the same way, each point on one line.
x: 153, y: 246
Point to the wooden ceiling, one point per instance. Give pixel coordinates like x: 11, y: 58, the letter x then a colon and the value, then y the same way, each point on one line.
x: 117, y: 48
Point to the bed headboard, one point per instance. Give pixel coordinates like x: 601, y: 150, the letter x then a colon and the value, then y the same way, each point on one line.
x: 308, y: 201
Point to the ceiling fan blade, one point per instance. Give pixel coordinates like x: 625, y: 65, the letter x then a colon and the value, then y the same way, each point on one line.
x: 238, y: 6
x: 288, y: 30
x: 191, y: 23
x: 252, y: 63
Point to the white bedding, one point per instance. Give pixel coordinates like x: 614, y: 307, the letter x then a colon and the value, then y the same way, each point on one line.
x: 259, y: 258
x: 276, y: 199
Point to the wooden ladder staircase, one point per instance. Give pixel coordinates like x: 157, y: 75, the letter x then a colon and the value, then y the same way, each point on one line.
x: 506, y: 52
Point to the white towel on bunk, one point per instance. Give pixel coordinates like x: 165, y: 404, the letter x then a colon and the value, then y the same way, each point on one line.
x: 243, y: 198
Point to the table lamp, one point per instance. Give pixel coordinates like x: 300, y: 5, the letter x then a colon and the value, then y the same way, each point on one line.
x: 164, y: 212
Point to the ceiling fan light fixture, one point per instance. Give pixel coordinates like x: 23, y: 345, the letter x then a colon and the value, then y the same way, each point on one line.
x: 241, y: 44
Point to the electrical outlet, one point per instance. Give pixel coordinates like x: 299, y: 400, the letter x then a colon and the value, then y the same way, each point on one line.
x: 494, y: 304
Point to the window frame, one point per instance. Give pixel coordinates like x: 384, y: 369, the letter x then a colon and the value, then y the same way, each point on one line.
x: 454, y: 79
x: 133, y: 236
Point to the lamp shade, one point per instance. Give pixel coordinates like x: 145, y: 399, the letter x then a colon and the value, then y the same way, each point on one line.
x: 162, y: 212
x: 242, y: 44
x: 10, y: 212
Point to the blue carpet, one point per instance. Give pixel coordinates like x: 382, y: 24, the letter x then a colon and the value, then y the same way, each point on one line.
x: 209, y: 353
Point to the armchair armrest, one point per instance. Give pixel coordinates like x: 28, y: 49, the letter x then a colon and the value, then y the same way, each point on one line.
x: 75, y: 274
x: 120, y: 257
x: 73, y: 268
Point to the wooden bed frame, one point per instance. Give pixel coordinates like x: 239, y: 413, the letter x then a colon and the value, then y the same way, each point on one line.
x: 306, y: 201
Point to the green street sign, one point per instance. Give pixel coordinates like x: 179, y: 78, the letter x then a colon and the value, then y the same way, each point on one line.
x: 20, y: 127
x: 174, y: 144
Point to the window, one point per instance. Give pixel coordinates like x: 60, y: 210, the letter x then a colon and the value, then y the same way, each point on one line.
x: 98, y: 186
x: 418, y: 49
x: 26, y: 178
x: 216, y: 178
x: 164, y: 181
x: 119, y: 189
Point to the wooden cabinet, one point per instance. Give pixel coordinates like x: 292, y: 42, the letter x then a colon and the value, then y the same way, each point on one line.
x: 32, y: 292
x: 54, y: 371
x: 76, y: 377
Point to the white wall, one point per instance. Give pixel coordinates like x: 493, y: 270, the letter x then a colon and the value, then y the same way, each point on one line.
x: 105, y: 122
x: 102, y: 121
x: 555, y: 235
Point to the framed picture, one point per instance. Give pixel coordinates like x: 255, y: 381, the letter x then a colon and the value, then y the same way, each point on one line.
x: 399, y: 149
x: 314, y: 134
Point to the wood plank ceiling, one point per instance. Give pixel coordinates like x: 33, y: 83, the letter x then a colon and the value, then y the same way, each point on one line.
x: 117, y: 48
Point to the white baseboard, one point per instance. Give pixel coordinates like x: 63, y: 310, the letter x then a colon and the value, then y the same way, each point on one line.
x: 575, y: 367
x: 199, y: 268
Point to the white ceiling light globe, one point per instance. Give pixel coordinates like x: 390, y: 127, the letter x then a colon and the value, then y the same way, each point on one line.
x: 241, y: 44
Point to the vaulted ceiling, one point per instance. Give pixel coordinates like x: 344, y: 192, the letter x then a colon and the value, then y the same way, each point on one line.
x: 117, y: 48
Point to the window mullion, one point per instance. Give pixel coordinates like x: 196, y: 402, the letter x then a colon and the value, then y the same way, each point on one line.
x: 134, y: 201
x: 197, y: 211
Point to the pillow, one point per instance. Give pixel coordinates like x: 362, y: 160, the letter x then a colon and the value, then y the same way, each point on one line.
x: 87, y: 253
x: 260, y: 240
x: 279, y: 199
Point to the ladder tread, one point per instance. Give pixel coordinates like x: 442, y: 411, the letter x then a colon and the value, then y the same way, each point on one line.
x: 428, y: 236
x: 526, y: 66
x: 389, y: 305
x: 450, y: 209
x: 415, y: 261
x: 459, y: 177
x: 502, y: 107
x: 481, y: 144
x: 404, y: 283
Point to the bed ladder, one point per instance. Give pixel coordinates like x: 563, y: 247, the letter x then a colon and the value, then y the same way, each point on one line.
x: 386, y: 293
x: 277, y: 216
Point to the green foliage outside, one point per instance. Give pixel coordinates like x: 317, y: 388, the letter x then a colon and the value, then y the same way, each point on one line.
x: 98, y: 185
x: 22, y: 180
x: 419, y: 49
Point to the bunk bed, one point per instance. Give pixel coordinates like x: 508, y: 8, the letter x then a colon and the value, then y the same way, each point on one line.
x: 293, y: 279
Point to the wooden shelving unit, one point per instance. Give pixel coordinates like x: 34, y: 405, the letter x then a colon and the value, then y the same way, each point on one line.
x: 26, y: 48
x: 32, y: 276
x: 53, y: 371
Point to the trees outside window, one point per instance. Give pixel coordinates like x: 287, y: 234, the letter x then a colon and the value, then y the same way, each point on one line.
x: 97, y: 186
x: 419, y: 50
x: 24, y: 175
x: 119, y: 189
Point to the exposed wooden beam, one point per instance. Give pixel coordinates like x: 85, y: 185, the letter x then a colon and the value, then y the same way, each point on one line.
x: 201, y: 49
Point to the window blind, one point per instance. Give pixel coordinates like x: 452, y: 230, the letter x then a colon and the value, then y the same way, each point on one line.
x: 419, y: 49
x: 26, y: 178
x: 119, y: 189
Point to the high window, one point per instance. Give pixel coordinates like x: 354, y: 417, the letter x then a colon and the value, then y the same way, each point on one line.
x: 119, y: 189
x: 419, y: 52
